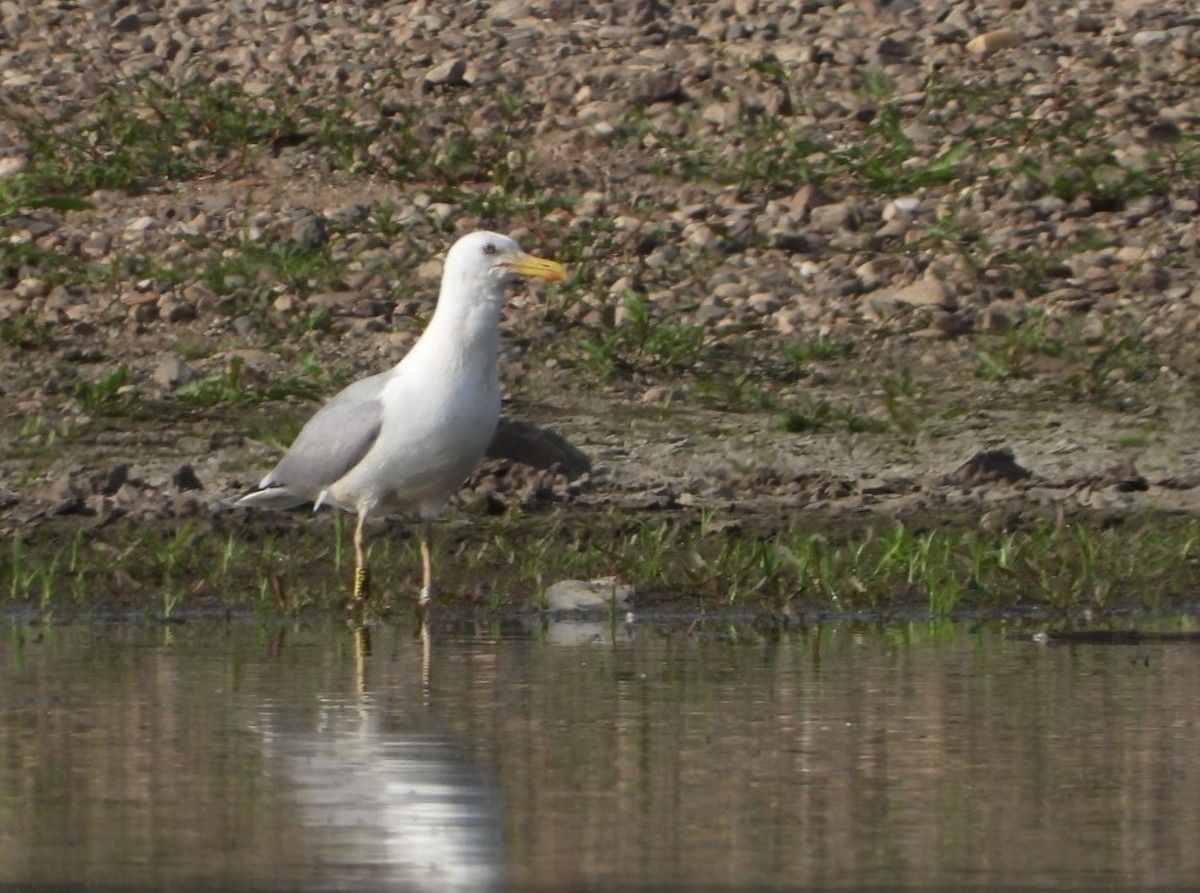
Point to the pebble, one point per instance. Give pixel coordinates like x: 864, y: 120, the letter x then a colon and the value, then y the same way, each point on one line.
x: 1149, y: 38
x: 177, y: 311
x: 992, y: 41
x: 308, y: 232
x: 184, y: 478
x: 172, y: 372
x: 926, y: 291
x: 12, y: 165
x: 587, y: 595
x: 27, y: 289
x: 833, y: 217
x: 763, y: 303
x: 447, y: 74
x: 657, y: 86
x: 96, y: 246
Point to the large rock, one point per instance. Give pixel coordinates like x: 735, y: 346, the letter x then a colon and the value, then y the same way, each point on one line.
x: 529, y: 444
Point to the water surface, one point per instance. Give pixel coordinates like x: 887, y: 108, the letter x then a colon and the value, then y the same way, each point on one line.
x: 241, y: 757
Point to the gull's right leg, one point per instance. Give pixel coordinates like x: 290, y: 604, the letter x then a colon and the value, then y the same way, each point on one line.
x: 361, y: 574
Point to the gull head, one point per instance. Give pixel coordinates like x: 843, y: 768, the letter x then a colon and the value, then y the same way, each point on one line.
x: 496, y: 258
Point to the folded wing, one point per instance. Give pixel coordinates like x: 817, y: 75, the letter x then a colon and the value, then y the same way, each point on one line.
x: 327, y: 447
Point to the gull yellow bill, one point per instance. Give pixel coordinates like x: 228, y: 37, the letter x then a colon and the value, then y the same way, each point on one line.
x: 540, y: 267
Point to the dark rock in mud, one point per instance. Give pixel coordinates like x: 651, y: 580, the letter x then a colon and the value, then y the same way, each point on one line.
x: 1126, y: 478
x: 184, y: 478
x: 989, y: 467
x: 110, y: 481
x: 529, y: 444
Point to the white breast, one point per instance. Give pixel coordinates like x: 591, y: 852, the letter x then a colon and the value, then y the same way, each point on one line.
x: 436, y: 427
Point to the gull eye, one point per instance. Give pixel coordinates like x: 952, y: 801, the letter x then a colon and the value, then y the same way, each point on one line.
x: 489, y: 248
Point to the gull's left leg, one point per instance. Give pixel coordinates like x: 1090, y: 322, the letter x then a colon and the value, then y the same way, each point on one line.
x: 427, y: 590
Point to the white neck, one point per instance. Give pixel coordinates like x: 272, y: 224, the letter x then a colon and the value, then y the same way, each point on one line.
x: 465, y: 327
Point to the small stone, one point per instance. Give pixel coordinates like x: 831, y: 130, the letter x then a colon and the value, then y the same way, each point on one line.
x: 657, y: 86
x: 658, y: 395
x: 763, y: 303
x: 1097, y: 279
x: 925, y: 292
x: 902, y: 207
x: 1125, y: 477
x: 69, y: 505
x: 722, y: 114
x: 877, y: 272
x: 880, y: 304
x: 184, y: 478
x: 989, y: 466
x: 1049, y: 206
x: 28, y: 289
x: 986, y: 44
x: 954, y: 324
x: 11, y: 165
x: 442, y: 212
x: 834, y: 217
x: 285, y: 303
x: 448, y: 74
x: 308, y: 232
x: 177, y: 311
x: 110, y: 481
x: 144, y: 312
x: 172, y: 373
x: 896, y: 228
x: 890, y: 51
x: 807, y: 197
x: 96, y: 246
x: 1164, y: 133
x: 929, y: 333
x: 334, y: 300
x: 994, y: 321
x: 791, y: 242
x: 604, y: 131
x: 1150, y: 38
x: 127, y: 23
x: 584, y: 595
x: 62, y: 298
x: 199, y: 295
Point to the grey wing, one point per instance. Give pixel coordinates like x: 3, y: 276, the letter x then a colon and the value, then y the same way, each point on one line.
x: 333, y: 441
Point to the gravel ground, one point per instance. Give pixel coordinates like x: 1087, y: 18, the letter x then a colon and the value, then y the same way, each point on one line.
x: 991, y: 206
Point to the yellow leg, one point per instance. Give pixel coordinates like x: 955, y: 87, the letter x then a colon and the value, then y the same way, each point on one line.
x: 362, y: 584
x: 427, y: 559
x: 427, y: 590
x: 426, y: 666
x: 362, y: 651
x: 361, y: 574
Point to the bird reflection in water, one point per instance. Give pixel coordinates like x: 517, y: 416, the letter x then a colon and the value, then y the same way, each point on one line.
x: 388, y: 809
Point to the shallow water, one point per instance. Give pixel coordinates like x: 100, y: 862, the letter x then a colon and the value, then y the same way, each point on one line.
x: 239, y: 757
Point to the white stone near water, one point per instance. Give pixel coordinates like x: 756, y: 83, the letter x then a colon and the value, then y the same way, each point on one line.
x: 585, y: 595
